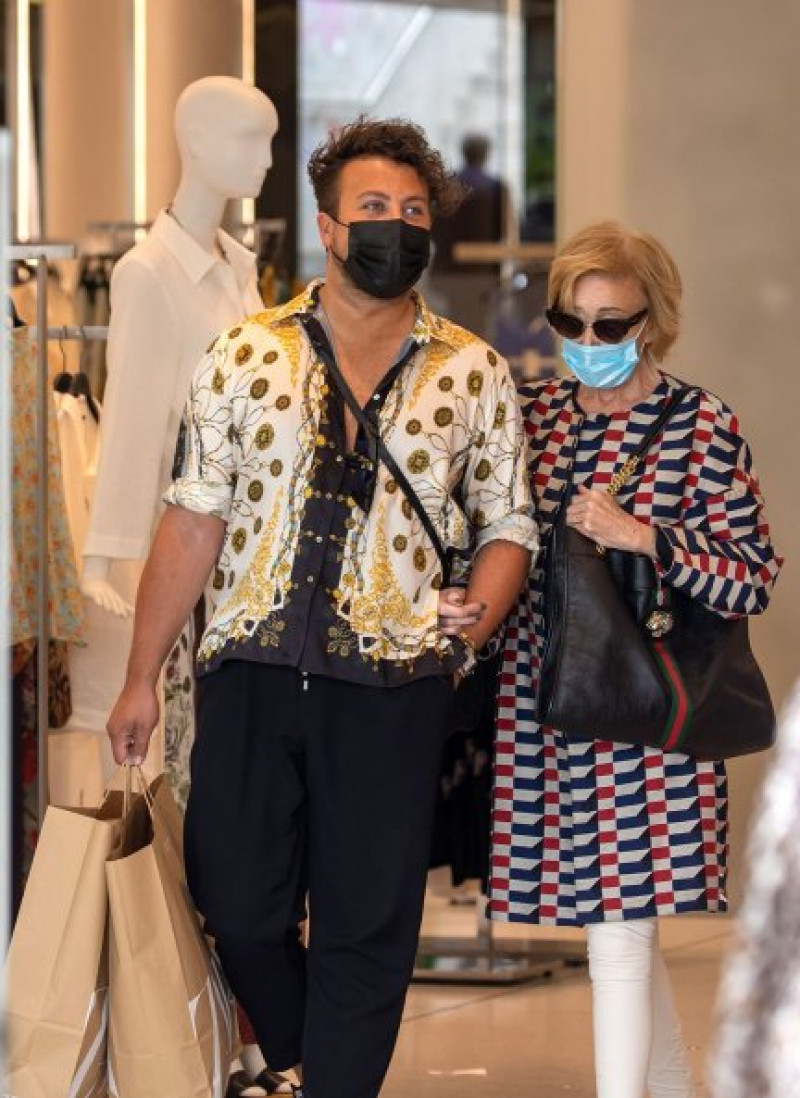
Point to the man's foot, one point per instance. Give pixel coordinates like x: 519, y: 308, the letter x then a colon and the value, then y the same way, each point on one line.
x: 240, y: 1085
x: 273, y: 1082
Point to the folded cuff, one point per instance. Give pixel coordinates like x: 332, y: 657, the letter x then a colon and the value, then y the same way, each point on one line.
x: 202, y: 496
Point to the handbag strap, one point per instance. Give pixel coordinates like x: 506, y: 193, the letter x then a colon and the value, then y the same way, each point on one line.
x: 632, y: 462
x: 320, y: 343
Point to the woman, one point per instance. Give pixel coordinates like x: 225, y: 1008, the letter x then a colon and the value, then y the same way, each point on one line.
x: 600, y: 834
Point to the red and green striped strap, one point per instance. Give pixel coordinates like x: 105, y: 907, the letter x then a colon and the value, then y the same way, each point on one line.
x: 681, y: 712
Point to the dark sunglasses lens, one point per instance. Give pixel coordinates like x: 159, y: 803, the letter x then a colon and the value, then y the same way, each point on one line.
x: 571, y: 327
x: 611, y: 330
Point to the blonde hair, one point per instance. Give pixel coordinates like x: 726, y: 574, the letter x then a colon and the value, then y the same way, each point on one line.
x: 609, y: 249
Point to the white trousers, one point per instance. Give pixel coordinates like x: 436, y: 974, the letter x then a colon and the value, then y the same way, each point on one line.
x: 637, y: 1035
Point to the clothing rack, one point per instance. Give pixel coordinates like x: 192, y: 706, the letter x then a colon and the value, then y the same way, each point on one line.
x: 82, y: 332
x: 40, y: 254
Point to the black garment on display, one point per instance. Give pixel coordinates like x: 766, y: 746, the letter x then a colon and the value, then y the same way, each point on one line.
x: 462, y: 825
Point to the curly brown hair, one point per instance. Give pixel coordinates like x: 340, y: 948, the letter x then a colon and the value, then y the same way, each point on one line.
x: 393, y: 138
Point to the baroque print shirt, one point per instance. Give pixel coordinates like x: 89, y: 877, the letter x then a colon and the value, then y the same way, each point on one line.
x: 313, y: 573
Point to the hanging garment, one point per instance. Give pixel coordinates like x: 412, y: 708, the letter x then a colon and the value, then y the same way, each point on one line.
x: 65, y: 622
x: 65, y: 602
x: 60, y: 312
x: 78, y: 437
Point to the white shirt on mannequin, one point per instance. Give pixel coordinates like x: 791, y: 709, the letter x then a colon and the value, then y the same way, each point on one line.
x: 169, y: 297
x: 186, y: 297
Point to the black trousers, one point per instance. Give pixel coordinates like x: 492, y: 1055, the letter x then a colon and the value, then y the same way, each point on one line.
x: 310, y: 785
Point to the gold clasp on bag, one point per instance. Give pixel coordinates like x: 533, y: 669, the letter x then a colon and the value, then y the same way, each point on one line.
x: 659, y: 623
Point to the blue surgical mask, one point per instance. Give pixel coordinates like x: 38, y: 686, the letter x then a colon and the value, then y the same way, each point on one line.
x: 601, y: 365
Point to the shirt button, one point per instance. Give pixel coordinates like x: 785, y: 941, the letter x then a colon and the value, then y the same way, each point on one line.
x: 309, y: 579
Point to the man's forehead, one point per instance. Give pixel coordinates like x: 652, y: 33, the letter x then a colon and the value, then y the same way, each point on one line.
x: 379, y: 174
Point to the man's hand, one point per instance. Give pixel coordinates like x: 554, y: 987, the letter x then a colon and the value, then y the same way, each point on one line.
x: 596, y: 514
x: 455, y: 613
x: 132, y: 721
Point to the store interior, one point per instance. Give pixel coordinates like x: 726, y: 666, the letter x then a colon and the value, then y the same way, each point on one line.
x: 675, y: 118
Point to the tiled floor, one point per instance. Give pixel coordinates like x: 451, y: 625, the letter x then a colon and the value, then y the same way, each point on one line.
x: 534, y: 1040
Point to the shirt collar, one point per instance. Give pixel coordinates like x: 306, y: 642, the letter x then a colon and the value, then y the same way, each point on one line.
x: 196, y: 261
x: 427, y: 325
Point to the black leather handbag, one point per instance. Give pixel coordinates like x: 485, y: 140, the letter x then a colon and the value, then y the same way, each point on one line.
x: 630, y: 660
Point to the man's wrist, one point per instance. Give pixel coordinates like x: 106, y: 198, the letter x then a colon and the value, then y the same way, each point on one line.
x: 138, y: 677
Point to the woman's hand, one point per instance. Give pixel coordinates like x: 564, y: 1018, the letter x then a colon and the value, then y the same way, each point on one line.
x: 455, y: 614
x: 598, y: 516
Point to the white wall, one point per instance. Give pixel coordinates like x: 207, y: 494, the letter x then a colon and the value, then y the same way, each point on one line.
x: 681, y: 118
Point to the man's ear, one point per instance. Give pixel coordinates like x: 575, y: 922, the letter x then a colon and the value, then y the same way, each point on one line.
x: 325, y: 225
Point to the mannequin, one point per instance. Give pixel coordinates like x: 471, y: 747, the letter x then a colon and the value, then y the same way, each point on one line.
x: 170, y: 296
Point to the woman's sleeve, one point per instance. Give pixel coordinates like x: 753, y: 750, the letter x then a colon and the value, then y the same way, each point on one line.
x: 721, y: 552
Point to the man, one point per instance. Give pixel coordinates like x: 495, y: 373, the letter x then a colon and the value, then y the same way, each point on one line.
x: 326, y: 674
x: 467, y: 288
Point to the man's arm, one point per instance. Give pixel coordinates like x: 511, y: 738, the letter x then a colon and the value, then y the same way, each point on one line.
x: 498, y: 574
x: 186, y: 545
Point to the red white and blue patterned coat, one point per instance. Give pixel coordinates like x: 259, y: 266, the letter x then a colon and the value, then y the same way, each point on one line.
x: 600, y: 831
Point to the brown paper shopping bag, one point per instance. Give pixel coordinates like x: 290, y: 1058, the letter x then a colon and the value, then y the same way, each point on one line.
x: 57, y: 990
x: 172, y: 1024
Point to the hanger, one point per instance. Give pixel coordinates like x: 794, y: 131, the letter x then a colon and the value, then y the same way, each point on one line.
x: 16, y: 319
x: 76, y: 385
x: 62, y: 382
x: 81, y: 388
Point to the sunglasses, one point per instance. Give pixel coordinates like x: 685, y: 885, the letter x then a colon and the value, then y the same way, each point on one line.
x: 610, y: 329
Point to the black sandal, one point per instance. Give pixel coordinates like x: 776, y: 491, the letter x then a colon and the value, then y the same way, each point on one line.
x: 275, y: 1083
x: 239, y: 1082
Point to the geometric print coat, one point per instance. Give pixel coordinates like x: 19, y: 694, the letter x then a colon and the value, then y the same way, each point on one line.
x: 587, y: 832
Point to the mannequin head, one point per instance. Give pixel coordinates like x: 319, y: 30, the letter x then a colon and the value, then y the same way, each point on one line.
x: 224, y: 129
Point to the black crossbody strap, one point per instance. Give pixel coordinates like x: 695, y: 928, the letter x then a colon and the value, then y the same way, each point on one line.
x: 632, y: 462
x: 319, y: 341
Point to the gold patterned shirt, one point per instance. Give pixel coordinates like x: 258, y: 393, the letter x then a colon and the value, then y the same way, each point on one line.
x: 306, y: 577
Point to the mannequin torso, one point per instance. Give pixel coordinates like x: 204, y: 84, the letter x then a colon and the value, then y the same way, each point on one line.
x: 170, y: 296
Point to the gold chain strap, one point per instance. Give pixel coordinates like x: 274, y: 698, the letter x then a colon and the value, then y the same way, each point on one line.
x: 618, y: 482
x: 623, y: 475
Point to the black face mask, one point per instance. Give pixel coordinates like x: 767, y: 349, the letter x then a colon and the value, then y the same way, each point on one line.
x: 385, y: 258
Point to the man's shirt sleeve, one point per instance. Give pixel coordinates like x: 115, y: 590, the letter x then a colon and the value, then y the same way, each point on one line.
x: 207, y: 465
x: 497, y: 492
